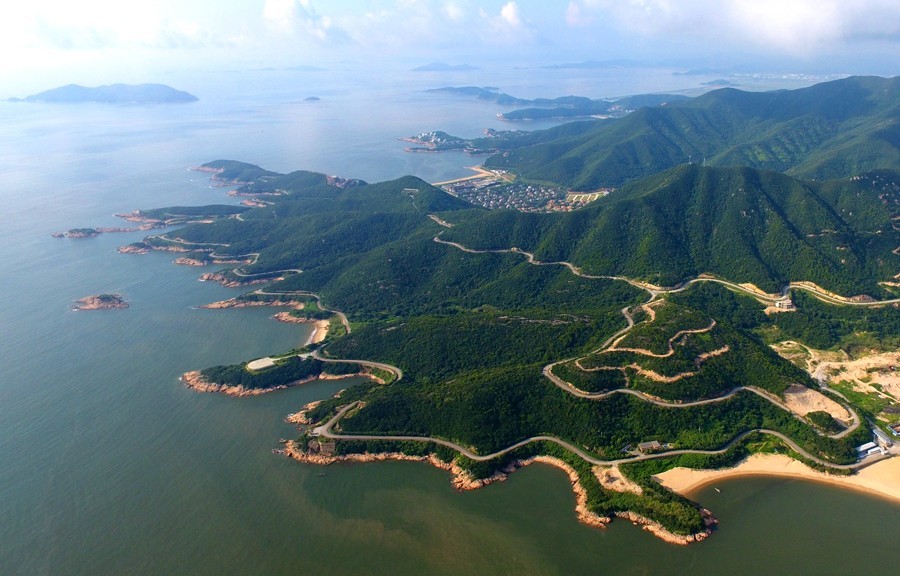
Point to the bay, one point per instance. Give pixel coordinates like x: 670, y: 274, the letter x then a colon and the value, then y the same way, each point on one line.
x: 108, y: 465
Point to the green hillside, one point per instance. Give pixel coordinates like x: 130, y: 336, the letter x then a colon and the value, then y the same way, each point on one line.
x: 743, y: 224
x: 830, y: 130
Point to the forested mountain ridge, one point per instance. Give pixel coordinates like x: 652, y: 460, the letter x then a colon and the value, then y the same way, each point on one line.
x: 743, y: 224
x: 829, y: 130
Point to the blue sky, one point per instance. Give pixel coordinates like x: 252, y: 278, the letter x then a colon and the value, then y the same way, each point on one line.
x: 51, y: 38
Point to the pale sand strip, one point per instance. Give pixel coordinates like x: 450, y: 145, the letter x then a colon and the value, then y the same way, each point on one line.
x: 880, y: 479
x: 319, y: 333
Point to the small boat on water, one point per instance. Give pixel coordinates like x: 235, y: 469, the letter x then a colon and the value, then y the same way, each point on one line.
x: 717, y: 490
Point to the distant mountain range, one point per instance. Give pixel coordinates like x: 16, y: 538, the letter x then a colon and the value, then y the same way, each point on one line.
x: 561, y: 107
x: 112, y: 94
x: 829, y: 130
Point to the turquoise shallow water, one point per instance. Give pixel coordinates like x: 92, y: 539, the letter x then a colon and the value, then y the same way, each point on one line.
x: 108, y: 465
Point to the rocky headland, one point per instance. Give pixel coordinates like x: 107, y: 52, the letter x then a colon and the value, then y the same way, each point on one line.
x: 134, y: 248
x: 237, y: 303
x: 195, y: 381
x: 184, y: 261
x: 230, y: 283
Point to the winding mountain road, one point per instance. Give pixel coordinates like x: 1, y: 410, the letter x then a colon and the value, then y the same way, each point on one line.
x: 367, y: 363
x: 655, y: 291
x: 326, y: 430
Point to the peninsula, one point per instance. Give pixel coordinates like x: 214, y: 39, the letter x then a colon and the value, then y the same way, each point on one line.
x: 661, y: 326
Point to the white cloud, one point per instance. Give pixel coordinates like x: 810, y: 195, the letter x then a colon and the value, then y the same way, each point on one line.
x: 790, y: 27
x: 575, y: 17
x: 299, y: 17
x: 508, y: 27
x: 279, y: 13
x: 510, y: 14
x: 793, y: 27
x: 46, y: 32
x: 453, y: 11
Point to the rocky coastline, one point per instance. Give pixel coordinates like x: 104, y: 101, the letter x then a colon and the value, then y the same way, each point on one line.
x: 463, y: 480
x: 660, y: 532
x: 137, y: 217
x: 135, y: 248
x: 289, y: 318
x: 195, y: 381
x: 81, y: 233
x: 217, y: 180
x: 185, y: 261
x: 317, y: 336
x: 228, y: 283
x: 144, y: 247
x: 236, y: 303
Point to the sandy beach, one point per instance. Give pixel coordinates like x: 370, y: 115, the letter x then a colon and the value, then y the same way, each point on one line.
x: 319, y: 333
x: 880, y: 479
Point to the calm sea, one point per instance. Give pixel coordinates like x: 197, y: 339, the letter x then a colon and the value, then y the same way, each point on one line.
x: 108, y: 465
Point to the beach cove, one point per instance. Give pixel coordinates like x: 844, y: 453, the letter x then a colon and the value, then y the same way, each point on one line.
x: 881, y: 479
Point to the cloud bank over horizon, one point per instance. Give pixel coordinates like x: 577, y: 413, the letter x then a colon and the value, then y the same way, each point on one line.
x: 822, y: 35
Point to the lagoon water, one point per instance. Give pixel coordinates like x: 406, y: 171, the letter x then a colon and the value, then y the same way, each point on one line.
x: 108, y: 465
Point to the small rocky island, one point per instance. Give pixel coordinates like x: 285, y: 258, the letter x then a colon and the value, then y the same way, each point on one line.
x: 101, y: 302
x: 78, y: 233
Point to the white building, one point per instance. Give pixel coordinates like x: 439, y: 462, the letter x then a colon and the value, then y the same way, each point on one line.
x: 866, y: 447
